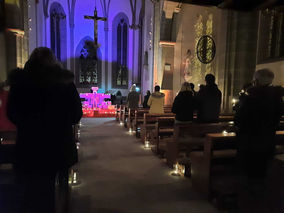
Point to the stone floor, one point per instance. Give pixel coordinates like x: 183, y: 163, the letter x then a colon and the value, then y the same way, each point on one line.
x: 118, y: 175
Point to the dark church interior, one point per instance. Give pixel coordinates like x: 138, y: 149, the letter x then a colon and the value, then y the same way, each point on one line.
x: 141, y: 106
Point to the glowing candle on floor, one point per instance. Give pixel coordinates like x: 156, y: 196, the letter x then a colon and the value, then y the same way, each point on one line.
x: 75, y: 177
x: 225, y: 132
x: 176, y: 169
x: 147, y: 144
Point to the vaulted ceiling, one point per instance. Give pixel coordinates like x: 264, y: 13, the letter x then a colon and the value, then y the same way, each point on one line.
x: 245, y: 5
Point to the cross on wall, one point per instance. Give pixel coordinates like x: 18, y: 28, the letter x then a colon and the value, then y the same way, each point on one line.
x: 96, y: 18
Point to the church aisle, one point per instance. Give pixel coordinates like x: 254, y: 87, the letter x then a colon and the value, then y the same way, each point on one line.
x: 118, y: 176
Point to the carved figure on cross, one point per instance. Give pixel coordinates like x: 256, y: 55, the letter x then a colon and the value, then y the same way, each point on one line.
x: 96, y: 18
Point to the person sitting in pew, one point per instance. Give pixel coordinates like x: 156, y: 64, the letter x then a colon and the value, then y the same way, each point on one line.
x: 156, y: 101
x: 208, y: 101
x: 184, y: 104
x: 146, y: 98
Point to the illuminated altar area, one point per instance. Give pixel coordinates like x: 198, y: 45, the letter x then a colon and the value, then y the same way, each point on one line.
x: 95, y: 105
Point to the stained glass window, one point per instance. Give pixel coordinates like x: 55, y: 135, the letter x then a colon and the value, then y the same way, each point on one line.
x: 88, y: 64
x: 122, y: 46
x: 57, y: 22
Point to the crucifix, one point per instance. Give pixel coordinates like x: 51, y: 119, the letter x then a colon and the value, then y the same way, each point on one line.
x: 96, y: 18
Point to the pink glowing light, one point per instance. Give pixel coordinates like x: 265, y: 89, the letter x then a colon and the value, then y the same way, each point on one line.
x: 95, y: 104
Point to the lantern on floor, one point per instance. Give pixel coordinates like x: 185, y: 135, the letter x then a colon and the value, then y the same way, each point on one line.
x: 147, y: 144
x: 225, y: 132
x: 179, y: 170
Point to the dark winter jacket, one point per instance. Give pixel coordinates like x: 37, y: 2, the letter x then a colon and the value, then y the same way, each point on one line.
x: 44, y: 104
x: 133, y: 100
x: 208, y: 104
x: 145, y: 102
x: 257, y: 119
x: 183, y: 106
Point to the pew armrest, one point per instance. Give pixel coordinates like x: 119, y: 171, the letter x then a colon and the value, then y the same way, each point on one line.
x: 200, y: 172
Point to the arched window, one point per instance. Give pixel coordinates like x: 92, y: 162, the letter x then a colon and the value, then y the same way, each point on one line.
x: 120, y: 51
x: 88, y: 64
x: 58, y: 32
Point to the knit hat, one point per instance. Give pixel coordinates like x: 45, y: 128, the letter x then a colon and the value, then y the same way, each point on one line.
x: 263, y: 77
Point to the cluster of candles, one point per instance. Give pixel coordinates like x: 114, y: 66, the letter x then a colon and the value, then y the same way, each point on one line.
x: 179, y: 169
x: 73, y: 178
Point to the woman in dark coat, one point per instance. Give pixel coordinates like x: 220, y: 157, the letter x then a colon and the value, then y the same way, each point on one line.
x: 184, y: 104
x: 44, y: 104
x: 146, y: 98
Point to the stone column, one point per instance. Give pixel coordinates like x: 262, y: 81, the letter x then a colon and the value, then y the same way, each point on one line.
x: 3, y: 67
x: 105, y: 75
x: 241, y: 53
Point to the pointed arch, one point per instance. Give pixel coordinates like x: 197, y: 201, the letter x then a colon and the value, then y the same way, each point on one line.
x: 88, y: 64
x: 120, y: 45
x: 58, y: 32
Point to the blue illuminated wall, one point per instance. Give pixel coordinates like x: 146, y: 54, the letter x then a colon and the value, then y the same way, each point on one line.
x: 84, y: 29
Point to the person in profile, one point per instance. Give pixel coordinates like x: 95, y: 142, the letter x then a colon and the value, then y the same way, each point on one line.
x: 192, y: 89
x: 146, y: 98
x: 43, y: 103
x: 208, y: 101
x: 256, y: 120
x: 184, y: 104
x: 156, y: 101
x: 133, y: 98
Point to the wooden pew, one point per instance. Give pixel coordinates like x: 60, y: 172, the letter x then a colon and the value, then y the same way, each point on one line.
x: 189, y: 137
x: 130, y: 118
x: 118, y: 108
x: 123, y: 115
x: 149, y: 122
x: 7, y: 146
x: 139, y: 118
x: 121, y: 111
x: 163, y: 130
x: 214, y: 166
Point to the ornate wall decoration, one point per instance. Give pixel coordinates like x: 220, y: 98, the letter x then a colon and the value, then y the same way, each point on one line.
x: 187, y: 66
x: 209, y: 31
x: 198, y: 27
x: 206, y: 49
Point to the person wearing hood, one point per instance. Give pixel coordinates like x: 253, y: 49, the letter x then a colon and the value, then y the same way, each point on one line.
x: 156, y: 101
x: 133, y: 98
x: 184, y: 104
x: 257, y: 119
x: 43, y: 103
x: 208, y: 101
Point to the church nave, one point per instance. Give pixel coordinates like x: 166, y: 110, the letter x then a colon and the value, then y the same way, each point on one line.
x: 118, y: 175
